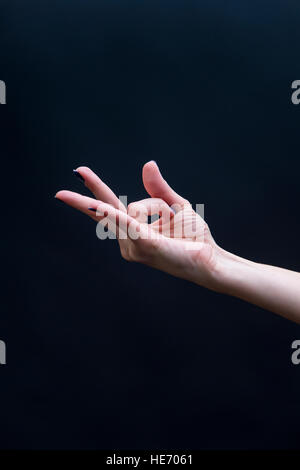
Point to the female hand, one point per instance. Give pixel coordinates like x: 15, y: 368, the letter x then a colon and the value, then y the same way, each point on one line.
x: 179, y: 242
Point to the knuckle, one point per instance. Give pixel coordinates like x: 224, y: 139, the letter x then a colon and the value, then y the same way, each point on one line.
x: 185, y: 202
x: 132, y: 209
x: 205, y: 226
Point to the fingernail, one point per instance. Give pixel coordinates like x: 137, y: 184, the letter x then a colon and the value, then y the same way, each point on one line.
x: 78, y: 175
x: 92, y: 209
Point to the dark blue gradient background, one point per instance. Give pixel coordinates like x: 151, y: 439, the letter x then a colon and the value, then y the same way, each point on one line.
x: 106, y: 354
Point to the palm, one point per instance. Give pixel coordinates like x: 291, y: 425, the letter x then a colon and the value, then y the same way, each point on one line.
x: 174, y: 244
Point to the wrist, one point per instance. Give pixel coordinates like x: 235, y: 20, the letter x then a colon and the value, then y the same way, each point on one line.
x: 230, y: 273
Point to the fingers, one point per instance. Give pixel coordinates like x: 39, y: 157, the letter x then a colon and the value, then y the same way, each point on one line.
x: 157, y: 187
x: 140, y: 210
x: 100, y: 190
x: 121, y: 224
x: 79, y: 202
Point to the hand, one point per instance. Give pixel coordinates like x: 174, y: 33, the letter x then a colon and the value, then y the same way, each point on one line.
x: 179, y: 242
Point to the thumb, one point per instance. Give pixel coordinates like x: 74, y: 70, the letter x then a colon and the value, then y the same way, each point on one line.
x: 157, y: 187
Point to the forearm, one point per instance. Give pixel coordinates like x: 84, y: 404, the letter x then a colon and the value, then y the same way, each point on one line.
x: 269, y: 287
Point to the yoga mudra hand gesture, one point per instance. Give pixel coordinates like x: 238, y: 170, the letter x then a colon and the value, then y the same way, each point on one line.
x: 179, y: 242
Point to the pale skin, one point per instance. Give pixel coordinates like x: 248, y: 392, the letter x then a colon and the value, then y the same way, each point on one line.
x: 180, y: 243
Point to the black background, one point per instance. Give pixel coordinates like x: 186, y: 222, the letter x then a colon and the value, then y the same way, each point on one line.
x: 102, y: 353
